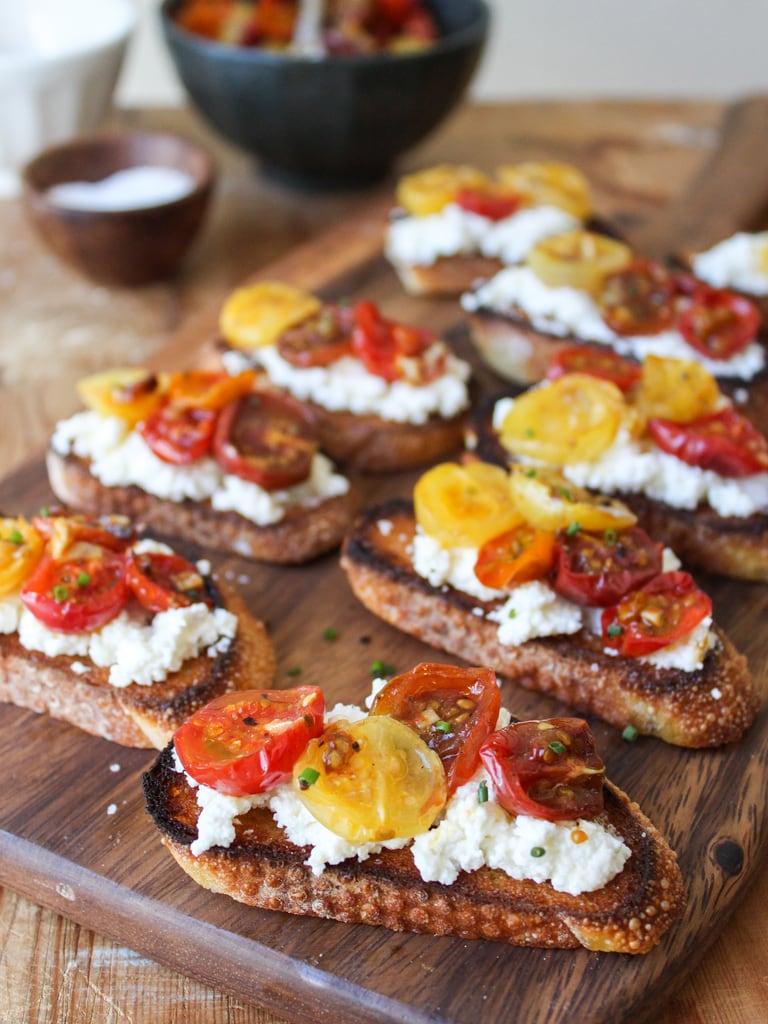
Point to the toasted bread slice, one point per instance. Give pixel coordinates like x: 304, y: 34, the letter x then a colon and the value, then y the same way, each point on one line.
x: 77, y: 691
x: 304, y: 533
x: 735, y: 546
x: 263, y: 869
x: 448, y: 275
x: 704, y: 708
x: 513, y: 349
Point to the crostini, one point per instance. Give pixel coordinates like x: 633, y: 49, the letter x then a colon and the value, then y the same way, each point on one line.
x: 558, y: 590
x: 435, y: 812
x: 202, y: 456
x: 117, y: 633
x: 382, y: 395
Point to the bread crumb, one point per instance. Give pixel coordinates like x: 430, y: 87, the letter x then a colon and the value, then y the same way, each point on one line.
x: 114, y: 767
x: 112, y: 809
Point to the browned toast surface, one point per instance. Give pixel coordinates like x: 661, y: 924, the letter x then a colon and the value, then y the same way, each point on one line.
x: 263, y: 869
x: 707, y: 707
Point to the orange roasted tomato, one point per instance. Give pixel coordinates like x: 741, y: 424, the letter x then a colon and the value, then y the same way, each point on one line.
x: 129, y: 393
x: 21, y: 548
x: 518, y: 556
x: 546, y: 769
x: 208, y: 389
x: 247, y: 742
x: 656, y: 615
x: 371, y: 780
x: 452, y: 709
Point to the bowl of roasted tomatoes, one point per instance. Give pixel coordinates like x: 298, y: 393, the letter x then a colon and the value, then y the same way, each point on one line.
x: 325, y: 93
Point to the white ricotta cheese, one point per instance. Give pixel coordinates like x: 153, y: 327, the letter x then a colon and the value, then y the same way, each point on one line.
x: 572, y: 311
x: 737, y: 262
x: 10, y: 613
x: 532, y: 610
x: 512, y: 238
x: 454, y: 566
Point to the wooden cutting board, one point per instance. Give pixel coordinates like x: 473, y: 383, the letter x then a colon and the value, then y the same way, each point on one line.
x: 75, y: 836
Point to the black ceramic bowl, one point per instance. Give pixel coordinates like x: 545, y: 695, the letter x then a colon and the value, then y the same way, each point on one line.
x: 329, y: 121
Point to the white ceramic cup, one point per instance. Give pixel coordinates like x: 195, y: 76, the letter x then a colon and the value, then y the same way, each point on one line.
x: 59, y: 64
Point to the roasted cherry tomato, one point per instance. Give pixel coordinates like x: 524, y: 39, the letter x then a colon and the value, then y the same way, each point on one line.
x: 494, y: 204
x: 550, y: 501
x: 677, y: 389
x: 595, y: 362
x: 725, y: 442
x: 265, y: 439
x: 637, y: 299
x: 178, y: 435
x: 320, y: 340
x: 656, y: 615
x: 428, y: 191
x: 21, y: 548
x: 598, y: 569
x: 391, y: 350
x: 248, y: 741
x: 577, y: 259
x: 452, y: 709
x: 549, y: 183
x: 546, y: 769
x: 464, y: 506
x: 518, y: 556
x: 160, y: 581
x: 371, y: 780
x: 573, y: 419
x: 77, y: 595
x: 258, y: 314
x: 208, y: 389
x: 719, y: 323
x: 130, y: 393
x: 63, y: 532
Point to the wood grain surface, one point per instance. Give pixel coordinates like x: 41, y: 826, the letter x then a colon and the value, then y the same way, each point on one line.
x: 100, y: 858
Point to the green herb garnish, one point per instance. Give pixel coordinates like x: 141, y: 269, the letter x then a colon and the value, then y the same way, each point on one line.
x: 60, y: 593
x: 443, y: 726
x: 573, y: 529
x: 308, y: 778
x: 557, y: 747
x: 538, y: 851
x: 482, y: 792
x: 330, y: 633
x: 629, y: 733
x: 614, y: 630
x: 83, y: 579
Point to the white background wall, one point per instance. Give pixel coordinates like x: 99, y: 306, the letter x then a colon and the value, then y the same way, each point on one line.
x: 540, y: 48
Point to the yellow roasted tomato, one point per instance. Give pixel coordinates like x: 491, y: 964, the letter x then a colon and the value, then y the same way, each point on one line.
x: 677, y: 389
x: 371, y: 780
x: 430, y: 190
x: 549, y: 501
x: 464, y: 506
x: 572, y: 419
x: 548, y: 183
x: 129, y: 392
x: 577, y: 259
x: 256, y: 315
x: 21, y: 548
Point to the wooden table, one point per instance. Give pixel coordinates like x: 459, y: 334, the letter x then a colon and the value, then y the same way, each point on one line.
x: 55, y: 327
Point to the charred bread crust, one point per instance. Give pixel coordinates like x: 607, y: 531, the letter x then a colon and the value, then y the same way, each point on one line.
x: 367, y: 443
x: 704, y: 708
x: 303, y: 534
x: 263, y: 869
x: 735, y: 546
x: 135, y: 716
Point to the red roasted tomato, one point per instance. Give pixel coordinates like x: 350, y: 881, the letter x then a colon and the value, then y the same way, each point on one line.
x: 493, y: 205
x: 656, y: 615
x: 77, y: 595
x: 597, y: 570
x: 605, y: 364
x: 247, y: 742
x: 160, y: 581
x: 546, y: 769
x: 637, y: 299
x: 717, y: 322
x: 725, y: 442
x: 320, y: 340
x: 177, y: 434
x: 266, y: 439
x: 62, y: 531
x: 518, y: 556
x: 452, y: 709
x: 391, y: 350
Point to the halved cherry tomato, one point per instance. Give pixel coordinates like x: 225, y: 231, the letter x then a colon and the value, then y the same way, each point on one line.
x: 577, y: 259
x: 546, y: 769
x: 391, y: 350
x: 248, y: 741
x: 21, y: 548
x: 130, y: 393
x: 550, y: 501
x: 494, y: 204
x: 178, y: 435
x: 637, y: 299
x: 77, y: 595
x: 599, y: 569
x: 63, y: 531
x: 677, y: 389
x: 160, y: 581
x: 719, y: 323
x: 549, y: 183
x: 428, y: 191
x: 320, y: 340
x: 208, y: 389
x: 452, y: 709
x: 464, y: 506
x: 656, y: 615
x: 371, y: 780
x: 518, y: 556
x: 266, y: 439
x: 725, y: 442
x: 595, y: 362
x: 257, y: 314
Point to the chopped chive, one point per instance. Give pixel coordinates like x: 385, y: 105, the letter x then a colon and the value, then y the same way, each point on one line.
x: 60, y: 593
x: 614, y: 630
x: 573, y: 529
x: 556, y: 747
x: 295, y: 670
x: 629, y: 733
x: 565, y: 493
x: 530, y: 473
x: 538, y: 851
x: 511, y: 614
x: 443, y: 726
x: 16, y: 537
x: 308, y: 778
x: 83, y: 579
x: 45, y: 511
x: 530, y: 432
x: 610, y: 536
x: 482, y: 792
x: 381, y: 668
x: 330, y: 633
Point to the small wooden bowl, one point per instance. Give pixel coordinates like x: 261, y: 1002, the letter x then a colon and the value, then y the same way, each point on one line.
x: 126, y: 247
